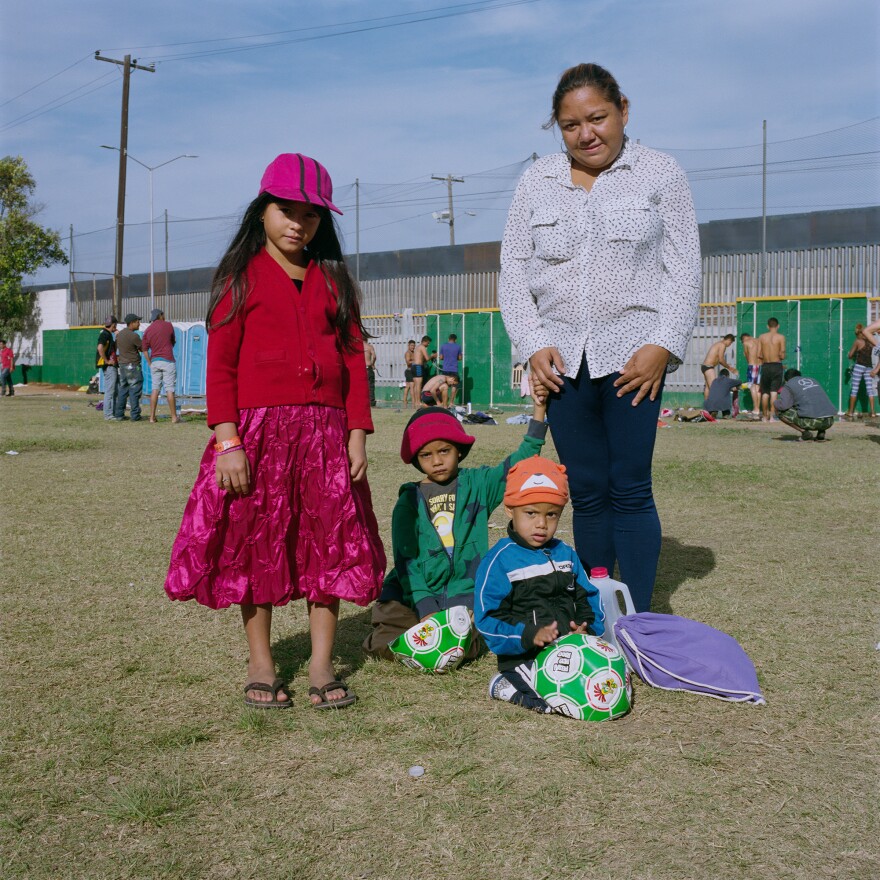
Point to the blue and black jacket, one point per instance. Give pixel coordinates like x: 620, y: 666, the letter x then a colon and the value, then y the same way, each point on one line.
x: 519, y: 589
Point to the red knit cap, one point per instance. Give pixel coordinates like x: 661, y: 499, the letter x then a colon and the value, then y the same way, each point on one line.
x: 429, y: 424
x: 536, y: 479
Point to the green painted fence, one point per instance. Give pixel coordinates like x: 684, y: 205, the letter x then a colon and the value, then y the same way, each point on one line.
x: 818, y: 330
x: 69, y: 355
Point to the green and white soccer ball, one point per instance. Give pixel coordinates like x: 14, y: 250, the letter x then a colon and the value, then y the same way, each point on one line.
x: 583, y: 677
x: 436, y: 644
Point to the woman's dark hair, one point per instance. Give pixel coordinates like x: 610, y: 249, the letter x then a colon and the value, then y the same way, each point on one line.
x: 325, y: 249
x: 586, y: 76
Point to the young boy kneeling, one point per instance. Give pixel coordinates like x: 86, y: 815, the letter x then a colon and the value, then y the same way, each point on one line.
x: 440, y: 524
x: 531, y: 588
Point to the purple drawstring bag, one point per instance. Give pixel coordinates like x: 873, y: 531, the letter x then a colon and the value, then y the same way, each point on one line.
x: 674, y: 653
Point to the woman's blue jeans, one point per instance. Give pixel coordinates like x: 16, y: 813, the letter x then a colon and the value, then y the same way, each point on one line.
x: 606, y: 445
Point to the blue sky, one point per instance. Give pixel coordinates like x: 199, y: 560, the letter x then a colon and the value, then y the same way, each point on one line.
x: 393, y: 105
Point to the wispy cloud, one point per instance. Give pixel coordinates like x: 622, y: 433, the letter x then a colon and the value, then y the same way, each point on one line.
x: 457, y: 95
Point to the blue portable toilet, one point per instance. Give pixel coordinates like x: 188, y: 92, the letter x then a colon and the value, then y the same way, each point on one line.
x: 196, y: 359
x: 145, y: 370
x: 180, y: 347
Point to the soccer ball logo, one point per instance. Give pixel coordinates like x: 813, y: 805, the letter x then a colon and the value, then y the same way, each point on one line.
x: 437, y: 644
x: 583, y: 677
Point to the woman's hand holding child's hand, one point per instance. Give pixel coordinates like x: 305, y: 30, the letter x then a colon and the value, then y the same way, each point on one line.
x: 546, y: 634
x: 546, y: 369
x: 357, y: 454
x: 539, y: 412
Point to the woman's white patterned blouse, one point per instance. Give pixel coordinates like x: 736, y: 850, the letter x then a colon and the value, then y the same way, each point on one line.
x: 601, y: 272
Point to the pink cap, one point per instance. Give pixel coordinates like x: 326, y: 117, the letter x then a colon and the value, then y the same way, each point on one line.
x: 430, y: 424
x: 599, y: 572
x: 298, y: 178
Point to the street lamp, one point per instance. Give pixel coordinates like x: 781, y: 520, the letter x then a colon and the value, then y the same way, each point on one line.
x: 151, y: 169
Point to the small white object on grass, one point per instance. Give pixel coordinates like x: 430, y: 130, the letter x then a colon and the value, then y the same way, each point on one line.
x: 416, y: 771
x: 12, y: 452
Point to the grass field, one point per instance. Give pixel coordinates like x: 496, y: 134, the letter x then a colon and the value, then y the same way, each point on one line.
x: 128, y: 753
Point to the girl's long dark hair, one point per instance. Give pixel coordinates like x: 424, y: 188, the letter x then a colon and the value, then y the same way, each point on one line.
x: 325, y: 249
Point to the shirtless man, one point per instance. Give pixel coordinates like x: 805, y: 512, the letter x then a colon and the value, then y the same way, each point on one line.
x: 752, y: 352
x: 772, y: 371
x: 715, y: 358
x: 435, y: 391
x: 408, y: 356
x: 420, y: 362
x: 370, y: 359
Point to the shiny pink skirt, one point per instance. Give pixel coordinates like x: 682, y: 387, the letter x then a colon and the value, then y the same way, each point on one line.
x: 304, y: 531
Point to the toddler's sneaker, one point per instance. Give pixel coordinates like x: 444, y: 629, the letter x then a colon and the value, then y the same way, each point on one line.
x: 820, y: 436
x: 807, y: 435
x: 501, y: 689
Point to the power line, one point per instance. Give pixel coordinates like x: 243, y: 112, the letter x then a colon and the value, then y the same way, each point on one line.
x: 47, y: 79
x: 769, y: 143
x: 482, y: 7
x: 444, y: 12
x: 108, y: 78
x: 296, y: 30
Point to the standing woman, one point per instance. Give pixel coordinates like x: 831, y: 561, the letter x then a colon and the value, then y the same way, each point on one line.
x: 600, y: 285
x: 861, y: 353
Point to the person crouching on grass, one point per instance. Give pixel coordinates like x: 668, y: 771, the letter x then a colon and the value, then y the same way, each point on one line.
x: 531, y: 587
x: 440, y: 524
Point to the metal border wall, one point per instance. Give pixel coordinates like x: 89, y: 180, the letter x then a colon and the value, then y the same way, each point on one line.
x: 805, y: 272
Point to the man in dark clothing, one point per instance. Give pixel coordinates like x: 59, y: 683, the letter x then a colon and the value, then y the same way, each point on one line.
x: 803, y: 405
x: 105, y: 360
x: 719, y: 398
x: 131, y: 377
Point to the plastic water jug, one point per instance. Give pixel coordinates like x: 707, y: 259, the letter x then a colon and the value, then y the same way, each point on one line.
x: 611, y: 593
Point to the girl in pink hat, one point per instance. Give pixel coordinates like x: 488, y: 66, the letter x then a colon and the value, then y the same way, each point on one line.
x: 281, y: 508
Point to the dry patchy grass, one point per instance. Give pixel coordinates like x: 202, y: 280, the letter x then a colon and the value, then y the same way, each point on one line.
x: 128, y: 752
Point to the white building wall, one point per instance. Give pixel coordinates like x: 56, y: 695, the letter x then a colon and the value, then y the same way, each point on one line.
x: 53, y: 316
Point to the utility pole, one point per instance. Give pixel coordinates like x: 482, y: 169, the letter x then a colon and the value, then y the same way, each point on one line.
x: 165, y: 298
x: 71, y: 279
x: 449, y: 181
x: 764, y: 214
x: 357, y: 229
x: 127, y: 65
